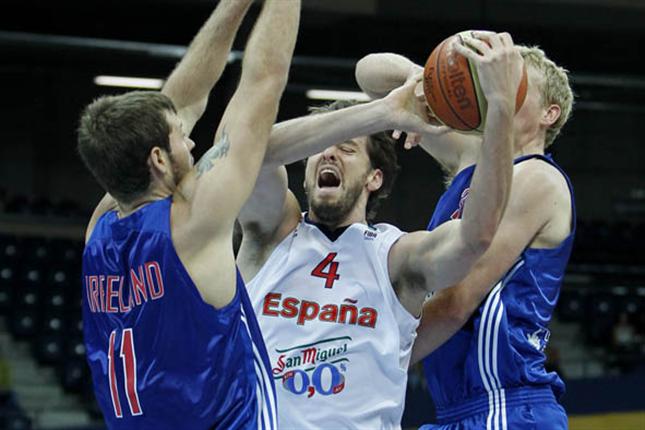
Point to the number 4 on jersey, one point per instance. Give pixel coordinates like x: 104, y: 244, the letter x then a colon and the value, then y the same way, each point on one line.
x: 331, y: 275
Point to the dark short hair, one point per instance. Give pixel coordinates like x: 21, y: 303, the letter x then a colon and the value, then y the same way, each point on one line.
x: 382, y: 154
x: 116, y: 135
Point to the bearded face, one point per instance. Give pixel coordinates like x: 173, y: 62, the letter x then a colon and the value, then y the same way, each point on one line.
x: 336, y: 181
x: 333, y: 203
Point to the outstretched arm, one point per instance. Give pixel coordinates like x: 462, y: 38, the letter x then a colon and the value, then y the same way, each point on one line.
x: 189, y: 85
x: 227, y: 172
x: 441, y: 258
x: 272, y: 211
x: 377, y: 74
x: 299, y: 138
x: 211, y: 196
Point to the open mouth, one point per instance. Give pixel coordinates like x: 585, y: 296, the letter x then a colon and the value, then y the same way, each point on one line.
x: 328, y: 178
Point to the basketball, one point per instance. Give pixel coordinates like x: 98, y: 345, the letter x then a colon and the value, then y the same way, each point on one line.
x: 452, y: 88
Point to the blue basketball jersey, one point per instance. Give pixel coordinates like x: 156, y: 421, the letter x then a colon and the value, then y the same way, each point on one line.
x: 161, y: 357
x: 484, y: 366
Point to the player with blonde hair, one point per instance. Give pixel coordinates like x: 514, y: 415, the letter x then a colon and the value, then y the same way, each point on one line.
x: 490, y: 372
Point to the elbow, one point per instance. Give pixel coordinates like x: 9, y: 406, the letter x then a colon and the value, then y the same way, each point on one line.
x: 370, y: 76
x: 448, y: 312
x: 363, y: 65
x: 364, y: 74
x: 275, y: 83
x: 278, y: 70
x: 264, y: 85
x: 455, y: 318
x: 481, y: 242
x: 479, y: 232
x: 485, y: 239
x: 274, y: 70
x: 456, y: 311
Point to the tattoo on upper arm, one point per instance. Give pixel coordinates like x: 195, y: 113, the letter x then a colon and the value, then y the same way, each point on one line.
x: 219, y: 150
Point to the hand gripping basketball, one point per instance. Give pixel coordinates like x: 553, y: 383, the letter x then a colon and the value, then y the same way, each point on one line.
x: 454, y: 91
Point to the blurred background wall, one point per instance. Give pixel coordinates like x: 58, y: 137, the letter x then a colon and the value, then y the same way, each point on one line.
x: 50, y: 53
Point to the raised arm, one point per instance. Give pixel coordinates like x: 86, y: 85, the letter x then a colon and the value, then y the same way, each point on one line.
x: 210, y: 197
x: 189, y: 85
x: 430, y: 261
x: 377, y: 74
x: 299, y: 138
x: 538, y: 197
x: 272, y: 211
x: 227, y: 172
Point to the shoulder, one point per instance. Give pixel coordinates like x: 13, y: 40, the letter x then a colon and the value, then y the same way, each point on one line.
x: 386, y: 235
x: 193, y: 223
x: 537, y: 178
x: 386, y: 228
x: 192, y: 239
x: 540, y: 197
x: 106, y: 205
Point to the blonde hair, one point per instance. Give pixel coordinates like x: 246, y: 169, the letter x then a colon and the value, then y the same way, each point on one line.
x: 556, y: 88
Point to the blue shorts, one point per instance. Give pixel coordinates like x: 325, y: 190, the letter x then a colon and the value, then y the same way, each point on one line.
x: 535, y: 411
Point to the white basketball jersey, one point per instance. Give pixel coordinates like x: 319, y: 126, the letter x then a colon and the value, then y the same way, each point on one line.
x: 338, y: 338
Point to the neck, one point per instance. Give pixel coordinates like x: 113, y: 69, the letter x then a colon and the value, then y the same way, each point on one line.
x: 126, y: 209
x: 357, y: 215
x: 525, y: 145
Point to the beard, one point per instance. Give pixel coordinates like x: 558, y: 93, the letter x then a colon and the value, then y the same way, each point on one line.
x: 178, y: 170
x: 332, y: 213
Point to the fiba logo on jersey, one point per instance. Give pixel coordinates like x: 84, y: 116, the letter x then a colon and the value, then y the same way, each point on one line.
x: 315, y: 368
x: 370, y: 235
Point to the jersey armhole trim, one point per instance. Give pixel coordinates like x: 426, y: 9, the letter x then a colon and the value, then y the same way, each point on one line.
x: 235, y: 301
x: 275, y: 255
x: 549, y: 161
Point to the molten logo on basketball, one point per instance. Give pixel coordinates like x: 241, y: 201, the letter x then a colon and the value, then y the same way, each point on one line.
x: 451, y: 88
x: 456, y: 79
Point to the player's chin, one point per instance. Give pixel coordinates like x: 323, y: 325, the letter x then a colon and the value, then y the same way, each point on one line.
x: 328, y: 194
x: 327, y: 210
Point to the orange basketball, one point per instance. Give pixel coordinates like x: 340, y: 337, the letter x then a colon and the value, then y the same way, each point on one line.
x: 452, y: 88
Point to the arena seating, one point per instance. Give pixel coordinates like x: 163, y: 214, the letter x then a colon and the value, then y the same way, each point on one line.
x: 40, y: 300
x: 40, y: 296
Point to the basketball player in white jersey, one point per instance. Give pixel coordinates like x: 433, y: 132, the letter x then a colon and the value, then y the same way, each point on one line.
x: 338, y: 299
